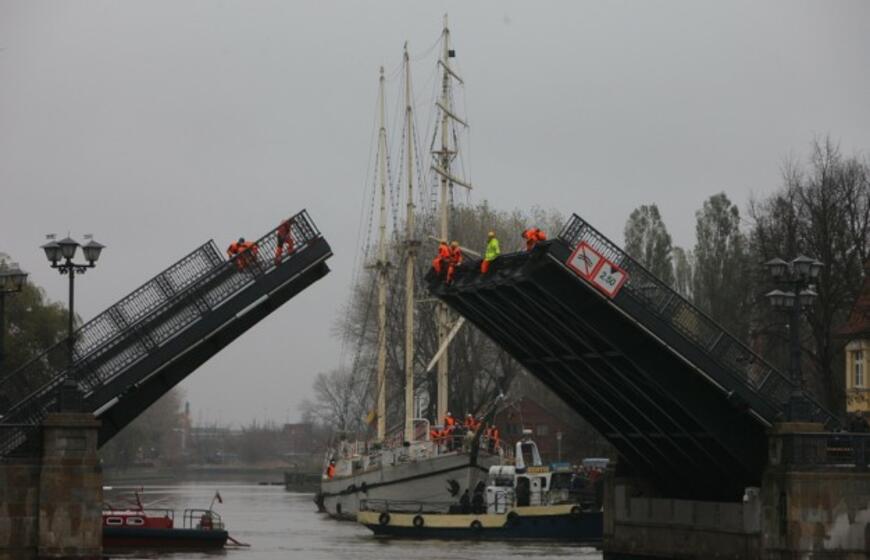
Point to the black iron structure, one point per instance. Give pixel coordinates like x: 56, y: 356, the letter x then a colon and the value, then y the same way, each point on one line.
x: 683, y: 401
x: 125, y: 358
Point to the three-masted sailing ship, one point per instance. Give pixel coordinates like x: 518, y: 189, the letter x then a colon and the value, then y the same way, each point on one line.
x: 412, y: 468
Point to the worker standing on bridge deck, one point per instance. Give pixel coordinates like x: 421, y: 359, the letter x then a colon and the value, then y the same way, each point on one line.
x: 492, y: 251
x: 284, y: 236
x: 441, y: 262
x: 455, y: 261
x: 330, y: 470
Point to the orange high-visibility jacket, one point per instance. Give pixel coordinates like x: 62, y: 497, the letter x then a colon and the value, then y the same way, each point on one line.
x: 234, y: 249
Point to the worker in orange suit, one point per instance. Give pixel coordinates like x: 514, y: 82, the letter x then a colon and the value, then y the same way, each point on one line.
x: 533, y: 236
x: 249, y: 253
x: 471, y: 423
x: 455, y: 261
x: 284, y: 238
x: 440, y: 262
x: 235, y: 250
x: 493, y: 436
x: 330, y: 470
x: 449, y: 421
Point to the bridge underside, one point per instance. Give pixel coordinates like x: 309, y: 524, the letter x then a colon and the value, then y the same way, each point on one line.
x: 670, y: 422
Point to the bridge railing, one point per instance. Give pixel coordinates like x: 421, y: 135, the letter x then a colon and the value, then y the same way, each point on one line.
x: 139, y: 304
x: 691, y: 323
x: 144, y: 320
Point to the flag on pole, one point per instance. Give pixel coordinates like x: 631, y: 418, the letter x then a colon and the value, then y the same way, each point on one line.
x: 217, y: 496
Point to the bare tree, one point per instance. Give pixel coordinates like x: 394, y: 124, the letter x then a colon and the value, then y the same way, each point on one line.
x: 822, y: 210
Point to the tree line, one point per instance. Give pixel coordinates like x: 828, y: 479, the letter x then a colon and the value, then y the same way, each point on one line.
x: 821, y: 209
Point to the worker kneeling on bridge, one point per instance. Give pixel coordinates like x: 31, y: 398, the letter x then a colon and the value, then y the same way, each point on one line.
x: 244, y: 252
x: 492, y: 251
x: 533, y: 236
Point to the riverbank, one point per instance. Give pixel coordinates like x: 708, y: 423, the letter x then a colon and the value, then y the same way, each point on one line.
x: 260, y: 475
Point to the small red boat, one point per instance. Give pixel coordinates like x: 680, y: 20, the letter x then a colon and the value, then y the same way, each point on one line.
x: 139, y: 527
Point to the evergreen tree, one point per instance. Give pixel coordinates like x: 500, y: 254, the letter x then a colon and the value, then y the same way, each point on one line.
x: 648, y: 241
x: 721, y: 282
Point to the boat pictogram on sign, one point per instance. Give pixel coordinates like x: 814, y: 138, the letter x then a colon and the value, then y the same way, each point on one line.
x: 584, y: 261
x: 590, y: 265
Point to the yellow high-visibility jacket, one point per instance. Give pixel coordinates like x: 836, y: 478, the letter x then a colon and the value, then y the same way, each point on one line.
x: 492, y: 250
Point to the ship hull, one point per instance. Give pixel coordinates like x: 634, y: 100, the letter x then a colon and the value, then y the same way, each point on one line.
x: 436, y: 480
x: 143, y: 537
x: 551, y: 523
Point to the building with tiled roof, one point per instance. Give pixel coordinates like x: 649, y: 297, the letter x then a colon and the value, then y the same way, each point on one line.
x: 857, y: 332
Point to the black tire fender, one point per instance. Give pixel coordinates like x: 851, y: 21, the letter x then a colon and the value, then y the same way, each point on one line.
x: 512, y: 516
x: 418, y: 521
x: 384, y: 518
x: 576, y: 511
x: 476, y: 525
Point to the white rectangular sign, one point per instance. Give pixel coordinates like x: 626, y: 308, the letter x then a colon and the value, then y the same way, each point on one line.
x: 594, y: 268
x: 584, y: 261
x: 609, y: 279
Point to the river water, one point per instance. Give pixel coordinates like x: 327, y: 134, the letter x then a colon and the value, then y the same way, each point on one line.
x: 283, y: 525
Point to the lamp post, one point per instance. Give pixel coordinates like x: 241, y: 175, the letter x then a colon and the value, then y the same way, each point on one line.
x: 797, y: 277
x: 60, y: 255
x: 12, y: 280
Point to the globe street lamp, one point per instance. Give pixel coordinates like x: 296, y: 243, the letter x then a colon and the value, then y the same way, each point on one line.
x: 60, y: 255
x: 12, y: 280
x: 798, y: 278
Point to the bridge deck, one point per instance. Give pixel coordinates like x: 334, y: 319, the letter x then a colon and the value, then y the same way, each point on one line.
x: 685, y: 404
x: 134, y: 352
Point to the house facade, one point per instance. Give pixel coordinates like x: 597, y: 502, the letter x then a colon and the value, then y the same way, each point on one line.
x: 857, y: 333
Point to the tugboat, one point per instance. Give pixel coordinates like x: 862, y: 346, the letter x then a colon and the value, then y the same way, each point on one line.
x: 139, y: 527
x: 519, y: 502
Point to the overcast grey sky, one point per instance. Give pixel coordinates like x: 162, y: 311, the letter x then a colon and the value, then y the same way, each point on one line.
x: 157, y: 125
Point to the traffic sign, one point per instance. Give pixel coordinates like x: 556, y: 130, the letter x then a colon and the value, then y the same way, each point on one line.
x: 584, y: 260
x: 590, y: 265
x: 609, y: 278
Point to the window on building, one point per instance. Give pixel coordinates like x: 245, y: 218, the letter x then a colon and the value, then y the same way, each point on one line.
x: 858, y: 367
x: 542, y: 430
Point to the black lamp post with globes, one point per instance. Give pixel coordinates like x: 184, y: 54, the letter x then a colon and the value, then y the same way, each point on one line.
x: 60, y: 255
x: 797, y: 278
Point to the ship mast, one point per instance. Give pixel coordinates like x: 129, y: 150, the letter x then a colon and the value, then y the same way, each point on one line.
x: 382, y: 267
x: 444, y: 158
x: 410, y: 257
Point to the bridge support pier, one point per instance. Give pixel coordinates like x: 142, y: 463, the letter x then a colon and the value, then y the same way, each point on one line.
x: 639, y: 524
x: 816, y: 495
x: 814, y: 502
x: 51, y: 505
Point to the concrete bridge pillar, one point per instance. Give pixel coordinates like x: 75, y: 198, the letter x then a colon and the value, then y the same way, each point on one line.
x: 51, y: 505
x: 813, y: 503
x: 816, y: 495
